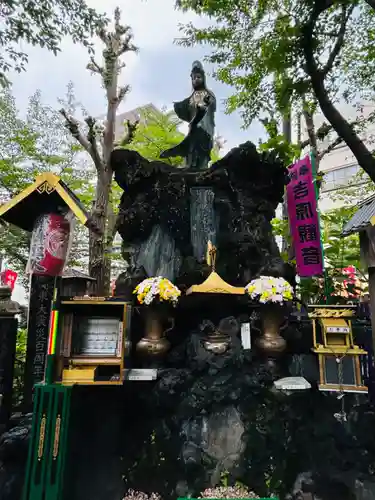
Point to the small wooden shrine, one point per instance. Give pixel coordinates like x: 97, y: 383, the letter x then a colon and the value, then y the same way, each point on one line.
x: 47, y: 194
x: 338, y: 356
x: 87, y: 340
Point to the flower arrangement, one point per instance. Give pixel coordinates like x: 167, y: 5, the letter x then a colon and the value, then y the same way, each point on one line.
x: 228, y: 492
x: 268, y: 289
x: 140, y: 495
x: 157, y: 288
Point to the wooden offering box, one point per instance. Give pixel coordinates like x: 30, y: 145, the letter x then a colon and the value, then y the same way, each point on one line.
x: 90, y: 340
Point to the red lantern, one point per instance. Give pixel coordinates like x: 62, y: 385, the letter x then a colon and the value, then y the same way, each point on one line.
x: 9, y: 277
x: 50, y: 243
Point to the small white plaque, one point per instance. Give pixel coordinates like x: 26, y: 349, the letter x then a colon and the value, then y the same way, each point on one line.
x: 246, y: 335
x: 292, y: 384
x: 141, y: 374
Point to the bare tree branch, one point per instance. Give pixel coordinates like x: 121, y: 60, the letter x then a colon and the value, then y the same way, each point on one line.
x: 325, y: 129
x: 131, y: 128
x: 88, y: 143
x: 346, y: 13
x: 91, y: 137
x: 122, y: 93
x: 103, y: 35
x: 94, y: 67
x: 73, y: 126
x: 321, y: 134
x: 310, y: 126
x: 330, y: 148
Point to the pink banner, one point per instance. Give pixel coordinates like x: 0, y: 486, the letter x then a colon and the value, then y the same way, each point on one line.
x: 303, y: 219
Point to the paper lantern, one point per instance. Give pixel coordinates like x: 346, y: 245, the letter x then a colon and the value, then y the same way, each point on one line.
x: 50, y: 245
x: 9, y: 278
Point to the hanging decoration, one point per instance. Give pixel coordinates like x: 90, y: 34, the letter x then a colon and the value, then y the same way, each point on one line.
x: 50, y: 245
x: 9, y: 278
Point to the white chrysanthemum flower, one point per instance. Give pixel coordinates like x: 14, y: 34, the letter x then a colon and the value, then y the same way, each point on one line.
x: 157, y: 288
x: 270, y: 289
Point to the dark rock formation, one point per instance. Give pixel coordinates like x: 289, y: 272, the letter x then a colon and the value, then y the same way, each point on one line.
x: 13, y: 456
x: 208, y: 417
x: 167, y: 215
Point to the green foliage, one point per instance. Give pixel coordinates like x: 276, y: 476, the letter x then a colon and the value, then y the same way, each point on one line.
x: 157, y: 132
x: 258, y: 49
x: 40, y: 143
x: 339, y: 252
x: 19, y: 366
x: 287, y: 151
x: 45, y: 24
x: 32, y: 145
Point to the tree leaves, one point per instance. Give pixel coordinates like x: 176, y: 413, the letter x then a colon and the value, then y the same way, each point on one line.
x: 41, y: 143
x: 276, y: 55
x: 157, y: 132
x: 44, y: 23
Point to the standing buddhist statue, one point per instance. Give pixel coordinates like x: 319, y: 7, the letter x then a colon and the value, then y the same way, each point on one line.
x: 199, y: 111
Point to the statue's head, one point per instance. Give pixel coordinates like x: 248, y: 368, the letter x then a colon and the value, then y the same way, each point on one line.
x: 198, y: 77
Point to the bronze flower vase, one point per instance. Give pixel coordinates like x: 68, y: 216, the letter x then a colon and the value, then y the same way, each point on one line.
x: 153, y: 343
x: 271, y: 343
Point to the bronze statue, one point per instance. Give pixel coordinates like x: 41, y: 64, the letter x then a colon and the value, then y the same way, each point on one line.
x: 199, y: 111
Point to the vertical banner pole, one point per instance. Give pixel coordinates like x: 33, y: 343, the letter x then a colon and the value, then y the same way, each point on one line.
x: 314, y: 172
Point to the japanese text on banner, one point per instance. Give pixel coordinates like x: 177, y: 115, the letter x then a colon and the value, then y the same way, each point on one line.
x: 304, y: 220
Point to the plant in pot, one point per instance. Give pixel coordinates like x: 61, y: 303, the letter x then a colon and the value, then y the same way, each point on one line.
x: 273, y: 294
x: 156, y: 296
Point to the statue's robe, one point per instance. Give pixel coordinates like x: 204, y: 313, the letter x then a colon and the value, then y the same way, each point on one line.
x: 196, y: 146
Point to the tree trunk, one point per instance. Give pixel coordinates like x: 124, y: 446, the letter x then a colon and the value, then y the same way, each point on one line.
x: 287, y: 247
x: 344, y: 130
x: 310, y: 127
x: 98, y: 260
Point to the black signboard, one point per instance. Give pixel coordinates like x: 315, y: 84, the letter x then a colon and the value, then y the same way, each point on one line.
x: 41, y: 296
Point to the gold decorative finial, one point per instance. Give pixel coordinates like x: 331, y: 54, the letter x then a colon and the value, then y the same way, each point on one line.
x: 214, y: 283
x: 211, y: 255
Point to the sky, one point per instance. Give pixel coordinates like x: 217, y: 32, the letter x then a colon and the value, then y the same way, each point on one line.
x: 159, y: 73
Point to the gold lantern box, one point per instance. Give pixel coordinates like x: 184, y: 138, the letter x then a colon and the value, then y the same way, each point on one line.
x: 334, y: 344
x: 92, y: 335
